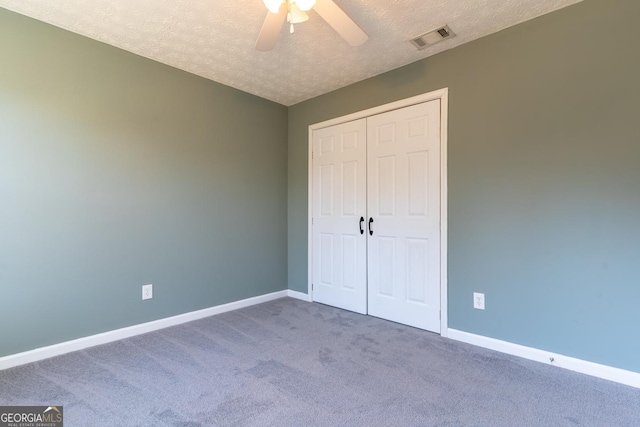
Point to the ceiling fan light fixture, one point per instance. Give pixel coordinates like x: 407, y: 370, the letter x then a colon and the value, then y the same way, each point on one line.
x: 296, y: 15
x: 305, y: 5
x: 273, y: 5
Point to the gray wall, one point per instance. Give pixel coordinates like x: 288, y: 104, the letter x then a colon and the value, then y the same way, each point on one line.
x: 116, y: 171
x: 544, y: 178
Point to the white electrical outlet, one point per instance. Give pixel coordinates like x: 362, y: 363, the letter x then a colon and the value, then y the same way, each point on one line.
x: 147, y: 291
x: 478, y: 301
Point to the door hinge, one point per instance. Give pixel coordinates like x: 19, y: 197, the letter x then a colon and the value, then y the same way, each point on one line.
x: 312, y: 286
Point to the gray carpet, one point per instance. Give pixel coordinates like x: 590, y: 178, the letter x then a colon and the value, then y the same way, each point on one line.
x: 291, y: 363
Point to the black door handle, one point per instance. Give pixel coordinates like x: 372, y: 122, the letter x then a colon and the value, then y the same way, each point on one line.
x: 361, y: 221
x: 370, y: 230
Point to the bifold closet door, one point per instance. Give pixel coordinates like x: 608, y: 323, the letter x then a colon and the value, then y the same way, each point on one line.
x: 339, y: 208
x: 403, y: 181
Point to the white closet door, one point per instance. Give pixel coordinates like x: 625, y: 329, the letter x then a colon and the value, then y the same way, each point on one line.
x: 403, y: 180
x: 339, y: 201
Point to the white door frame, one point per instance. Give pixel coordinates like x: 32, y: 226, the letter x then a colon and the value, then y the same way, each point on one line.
x: 443, y: 96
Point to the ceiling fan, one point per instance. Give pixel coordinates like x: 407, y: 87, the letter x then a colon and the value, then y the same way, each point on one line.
x: 294, y: 12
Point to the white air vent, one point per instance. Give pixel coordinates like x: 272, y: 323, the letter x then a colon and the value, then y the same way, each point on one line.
x: 432, y: 37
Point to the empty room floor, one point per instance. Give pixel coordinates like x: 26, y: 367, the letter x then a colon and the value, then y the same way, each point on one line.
x: 293, y: 363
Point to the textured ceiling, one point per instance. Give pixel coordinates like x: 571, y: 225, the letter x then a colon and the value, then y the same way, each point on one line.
x: 215, y: 38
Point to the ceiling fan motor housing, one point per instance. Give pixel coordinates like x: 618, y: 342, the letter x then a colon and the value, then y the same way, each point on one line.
x: 274, y: 5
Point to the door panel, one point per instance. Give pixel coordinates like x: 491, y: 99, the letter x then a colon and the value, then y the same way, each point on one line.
x: 325, y: 265
x: 417, y: 269
x: 350, y: 262
x: 385, y: 172
x: 403, y: 190
x: 339, y: 268
x: 418, y: 184
x: 350, y: 188
x: 385, y: 267
x: 326, y: 190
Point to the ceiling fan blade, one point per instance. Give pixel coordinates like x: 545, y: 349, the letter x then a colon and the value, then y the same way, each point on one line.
x: 340, y: 22
x: 271, y: 29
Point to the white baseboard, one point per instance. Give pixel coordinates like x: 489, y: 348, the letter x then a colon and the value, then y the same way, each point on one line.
x: 130, y: 331
x: 299, y: 295
x: 610, y: 373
